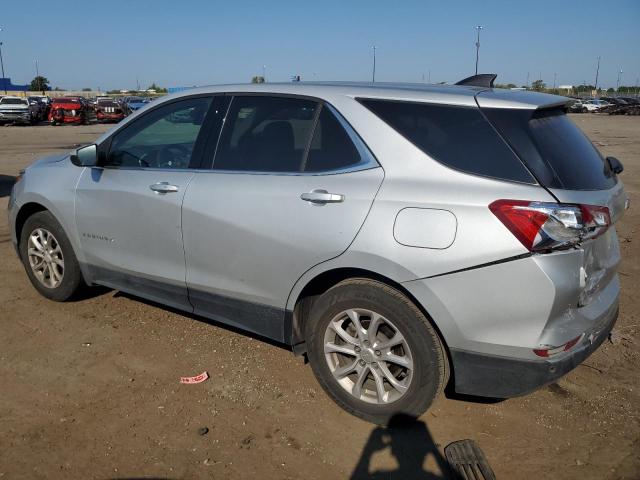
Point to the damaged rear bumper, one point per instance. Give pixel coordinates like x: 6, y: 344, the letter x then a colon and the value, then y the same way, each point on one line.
x: 503, y: 377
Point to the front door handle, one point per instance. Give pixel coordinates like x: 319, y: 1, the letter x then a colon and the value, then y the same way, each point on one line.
x: 321, y: 197
x: 163, y: 187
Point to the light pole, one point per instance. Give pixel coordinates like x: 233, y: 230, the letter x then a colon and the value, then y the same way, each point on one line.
x: 554, y: 82
x: 478, y: 28
x: 595, y: 87
x: 373, y: 74
x: 618, y: 82
x: 264, y: 73
x: 4, y: 80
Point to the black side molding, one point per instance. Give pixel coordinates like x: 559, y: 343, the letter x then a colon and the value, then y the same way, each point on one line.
x: 480, y: 80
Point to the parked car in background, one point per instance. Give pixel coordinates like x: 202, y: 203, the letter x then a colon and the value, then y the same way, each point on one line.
x: 618, y: 106
x: 108, y: 110
x: 46, y: 101
x: 577, y: 106
x: 68, y: 110
x: 17, y: 110
x: 135, y: 103
x: 38, y: 108
x: 595, y: 105
x: 614, y: 101
x: 400, y: 236
x: 631, y: 100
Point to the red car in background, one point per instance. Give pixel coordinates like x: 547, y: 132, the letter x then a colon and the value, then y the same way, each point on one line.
x: 108, y: 110
x: 68, y: 110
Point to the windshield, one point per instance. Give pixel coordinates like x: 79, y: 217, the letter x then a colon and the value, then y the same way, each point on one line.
x: 553, y: 148
x: 13, y: 101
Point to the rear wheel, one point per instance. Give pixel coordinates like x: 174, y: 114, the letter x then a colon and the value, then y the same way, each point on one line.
x: 48, y: 258
x: 374, y: 352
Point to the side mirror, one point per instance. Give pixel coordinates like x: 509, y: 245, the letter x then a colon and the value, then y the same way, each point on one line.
x: 615, y: 165
x: 86, y: 156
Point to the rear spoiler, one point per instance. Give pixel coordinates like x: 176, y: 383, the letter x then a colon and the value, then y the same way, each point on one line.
x: 480, y: 80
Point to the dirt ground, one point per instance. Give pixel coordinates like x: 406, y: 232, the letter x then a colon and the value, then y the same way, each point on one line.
x: 90, y: 389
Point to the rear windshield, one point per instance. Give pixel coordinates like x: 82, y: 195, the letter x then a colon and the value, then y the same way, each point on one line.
x: 553, y: 148
x: 458, y: 137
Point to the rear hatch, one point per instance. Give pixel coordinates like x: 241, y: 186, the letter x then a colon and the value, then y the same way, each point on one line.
x: 567, y: 164
x: 109, y: 106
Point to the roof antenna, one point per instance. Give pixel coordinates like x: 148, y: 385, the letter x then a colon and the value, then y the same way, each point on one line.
x: 480, y: 80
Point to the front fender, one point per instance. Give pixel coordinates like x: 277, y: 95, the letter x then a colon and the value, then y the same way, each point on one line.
x: 53, y: 187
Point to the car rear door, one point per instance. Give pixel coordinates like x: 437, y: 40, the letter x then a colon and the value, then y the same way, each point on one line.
x: 128, y: 211
x: 290, y: 186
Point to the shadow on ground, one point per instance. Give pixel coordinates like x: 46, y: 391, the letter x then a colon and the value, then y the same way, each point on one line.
x: 410, y: 442
x: 6, y: 184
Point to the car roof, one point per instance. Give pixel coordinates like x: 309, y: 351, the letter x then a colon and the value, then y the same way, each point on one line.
x: 442, y: 94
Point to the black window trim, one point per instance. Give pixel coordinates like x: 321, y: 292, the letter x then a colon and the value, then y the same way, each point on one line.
x: 369, y: 161
x: 104, y: 148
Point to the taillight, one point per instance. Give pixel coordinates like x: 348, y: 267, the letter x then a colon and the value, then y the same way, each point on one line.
x: 543, y: 226
x: 547, y: 351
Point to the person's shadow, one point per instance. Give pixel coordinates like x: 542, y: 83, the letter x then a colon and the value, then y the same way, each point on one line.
x: 410, y: 443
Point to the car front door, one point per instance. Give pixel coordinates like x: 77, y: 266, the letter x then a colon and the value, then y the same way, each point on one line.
x: 128, y: 210
x: 290, y: 187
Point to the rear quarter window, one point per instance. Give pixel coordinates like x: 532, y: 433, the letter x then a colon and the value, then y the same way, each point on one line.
x: 553, y: 148
x: 458, y: 137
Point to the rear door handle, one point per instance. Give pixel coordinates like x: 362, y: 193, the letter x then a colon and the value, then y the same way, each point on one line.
x: 321, y: 197
x: 163, y: 187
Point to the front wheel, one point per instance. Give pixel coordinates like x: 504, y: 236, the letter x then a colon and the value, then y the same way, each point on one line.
x: 48, y: 257
x: 374, y: 352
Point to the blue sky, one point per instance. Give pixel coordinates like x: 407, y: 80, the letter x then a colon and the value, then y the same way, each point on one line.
x: 204, y: 42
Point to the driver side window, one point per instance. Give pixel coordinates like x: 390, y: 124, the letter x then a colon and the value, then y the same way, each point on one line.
x: 163, y: 138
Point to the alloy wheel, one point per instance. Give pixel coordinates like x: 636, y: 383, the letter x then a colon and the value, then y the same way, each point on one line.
x: 45, y: 257
x: 368, y: 356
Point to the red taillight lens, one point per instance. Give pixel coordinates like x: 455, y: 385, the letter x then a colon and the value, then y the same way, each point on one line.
x: 595, y: 219
x: 543, y: 226
x: 547, y: 352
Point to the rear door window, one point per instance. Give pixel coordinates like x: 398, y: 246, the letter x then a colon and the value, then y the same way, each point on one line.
x: 275, y: 134
x: 266, y: 134
x: 458, y: 137
x: 332, y: 147
x: 554, y: 148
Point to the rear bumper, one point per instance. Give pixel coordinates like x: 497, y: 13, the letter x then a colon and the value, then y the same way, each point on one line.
x: 112, y: 117
x: 503, y: 377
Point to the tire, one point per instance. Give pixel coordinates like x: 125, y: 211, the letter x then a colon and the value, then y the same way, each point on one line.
x: 421, y: 347
x: 67, y: 280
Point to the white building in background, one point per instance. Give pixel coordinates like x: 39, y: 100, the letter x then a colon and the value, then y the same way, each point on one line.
x: 568, y: 88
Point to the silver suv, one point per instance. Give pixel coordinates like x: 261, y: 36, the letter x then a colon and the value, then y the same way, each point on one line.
x: 401, y: 237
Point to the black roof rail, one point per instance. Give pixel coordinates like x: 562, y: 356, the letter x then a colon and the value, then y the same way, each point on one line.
x: 480, y: 80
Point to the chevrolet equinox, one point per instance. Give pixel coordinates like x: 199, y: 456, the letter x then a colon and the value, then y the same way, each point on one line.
x: 401, y: 237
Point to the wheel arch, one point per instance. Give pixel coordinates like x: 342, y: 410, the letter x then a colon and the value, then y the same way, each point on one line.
x: 27, y: 210
x: 322, y: 282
